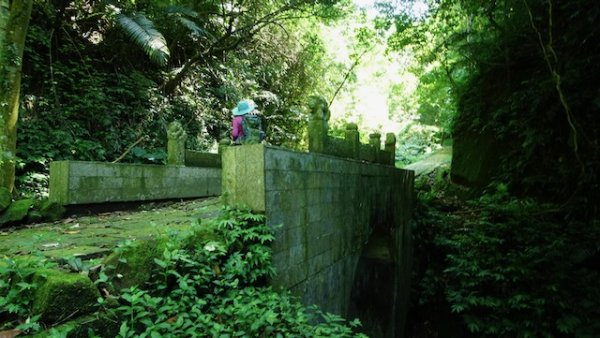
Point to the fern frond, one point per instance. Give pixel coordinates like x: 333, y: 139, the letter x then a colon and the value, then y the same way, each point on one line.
x: 193, y: 27
x: 180, y: 10
x: 142, y: 32
x: 185, y: 17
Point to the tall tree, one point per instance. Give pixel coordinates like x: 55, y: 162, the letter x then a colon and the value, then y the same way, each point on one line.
x: 14, y: 20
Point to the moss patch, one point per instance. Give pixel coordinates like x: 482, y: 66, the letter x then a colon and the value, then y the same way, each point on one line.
x: 93, y: 236
x: 16, y: 211
x: 61, y: 295
x: 133, y: 265
x: 5, y: 198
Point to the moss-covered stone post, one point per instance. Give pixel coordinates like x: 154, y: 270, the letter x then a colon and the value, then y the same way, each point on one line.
x: 176, y: 144
x: 352, y: 137
x: 224, y: 142
x: 318, y: 124
x: 375, y: 140
x: 390, y: 147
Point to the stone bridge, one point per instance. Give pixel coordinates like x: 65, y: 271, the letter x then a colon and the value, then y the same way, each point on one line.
x: 341, y: 212
x: 328, y: 213
x: 342, y: 222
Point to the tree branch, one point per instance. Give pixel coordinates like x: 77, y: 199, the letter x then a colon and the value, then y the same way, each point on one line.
x: 356, y: 62
x: 551, y: 63
x: 220, y: 45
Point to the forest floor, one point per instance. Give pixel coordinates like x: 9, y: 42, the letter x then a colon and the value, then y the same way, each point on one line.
x: 95, y: 235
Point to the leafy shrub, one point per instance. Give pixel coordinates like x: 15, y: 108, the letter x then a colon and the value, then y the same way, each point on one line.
x: 17, y: 290
x: 510, y: 267
x: 416, y: 141
x: 216, y: 284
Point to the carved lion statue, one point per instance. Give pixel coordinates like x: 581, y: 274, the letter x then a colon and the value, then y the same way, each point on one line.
x: 175, y: 131
x: 390, y: 139
x: 319, y: 108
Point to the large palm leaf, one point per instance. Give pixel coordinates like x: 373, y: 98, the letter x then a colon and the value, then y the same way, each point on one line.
x: 142, y: 32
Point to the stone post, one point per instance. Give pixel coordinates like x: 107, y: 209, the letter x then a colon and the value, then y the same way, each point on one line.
x: 375, y: 140
x: 390, y: 146
x: 353, y: 139
x: 176, y: 144
x: 318, y: 124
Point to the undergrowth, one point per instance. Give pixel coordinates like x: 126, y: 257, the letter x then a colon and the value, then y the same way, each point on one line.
x: 504, y: 267
x: 214, y: 283
x: 219, y: 288
x: 17, y: 291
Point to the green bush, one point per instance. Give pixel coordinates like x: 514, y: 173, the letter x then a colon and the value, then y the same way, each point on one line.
x: 510, y: 267
x: 17, y: 290
x: 217, y: 284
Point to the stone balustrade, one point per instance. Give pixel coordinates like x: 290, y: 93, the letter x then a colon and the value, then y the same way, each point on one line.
x: 349, y: 147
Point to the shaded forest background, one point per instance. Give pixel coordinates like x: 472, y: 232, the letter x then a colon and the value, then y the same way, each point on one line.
x: 513, y: 83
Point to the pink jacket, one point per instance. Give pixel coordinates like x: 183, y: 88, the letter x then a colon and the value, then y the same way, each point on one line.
x: 236, y: 127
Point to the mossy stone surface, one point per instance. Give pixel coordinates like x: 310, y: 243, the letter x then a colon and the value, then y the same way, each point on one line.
x: 16, y: 211
x: 61, y: 294
x: 5, y: 198
x: 51, y: 211
x: 133, y: 265
x: 94, y: 236
x: 475, y: 158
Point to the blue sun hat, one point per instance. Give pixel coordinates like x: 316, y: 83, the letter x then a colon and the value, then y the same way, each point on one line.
x: 243, y: 107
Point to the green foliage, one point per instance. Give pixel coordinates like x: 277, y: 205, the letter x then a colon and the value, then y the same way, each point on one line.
x: 416, y: 141
x: 215, y: 282
x: 89, y: 93
x: 520, y: 69
x: 509, y: 267
x: 17, y: 290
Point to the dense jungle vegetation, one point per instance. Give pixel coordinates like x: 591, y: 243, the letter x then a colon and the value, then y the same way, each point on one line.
x: 513, y: 252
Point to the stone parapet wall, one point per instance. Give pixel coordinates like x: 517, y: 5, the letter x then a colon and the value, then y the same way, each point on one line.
x: 202, y: 159
x: 79, y: 182
x: 328, y: 206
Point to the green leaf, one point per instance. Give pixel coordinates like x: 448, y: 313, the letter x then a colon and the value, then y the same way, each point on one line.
x: 142, y: 32
x: 160, y: 263
x: 124, y: 329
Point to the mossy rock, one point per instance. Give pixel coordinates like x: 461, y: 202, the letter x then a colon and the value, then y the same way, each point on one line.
x: 17, y: 211
x: 5, y: 198
x: 133, y: 265
x: 45, y: 210
x: 62, y: 294
x: 475, y: 157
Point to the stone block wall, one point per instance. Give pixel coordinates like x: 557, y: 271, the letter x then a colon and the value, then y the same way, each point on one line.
x: 328, y: 207
x: 78, y: 182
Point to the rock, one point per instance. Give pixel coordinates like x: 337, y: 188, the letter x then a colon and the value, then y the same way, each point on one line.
x: 34, y: 216
x: 16, y: 211
x: 133, y: 265
x: 51, y: 211
x: 5, y: 199
x: 62, y: 294
x: 475, y: 158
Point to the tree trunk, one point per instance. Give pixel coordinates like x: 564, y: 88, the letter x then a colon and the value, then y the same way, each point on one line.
x: 14, y: 20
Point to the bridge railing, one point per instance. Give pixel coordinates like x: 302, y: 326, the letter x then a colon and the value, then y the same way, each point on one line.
x: 319, y: 140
